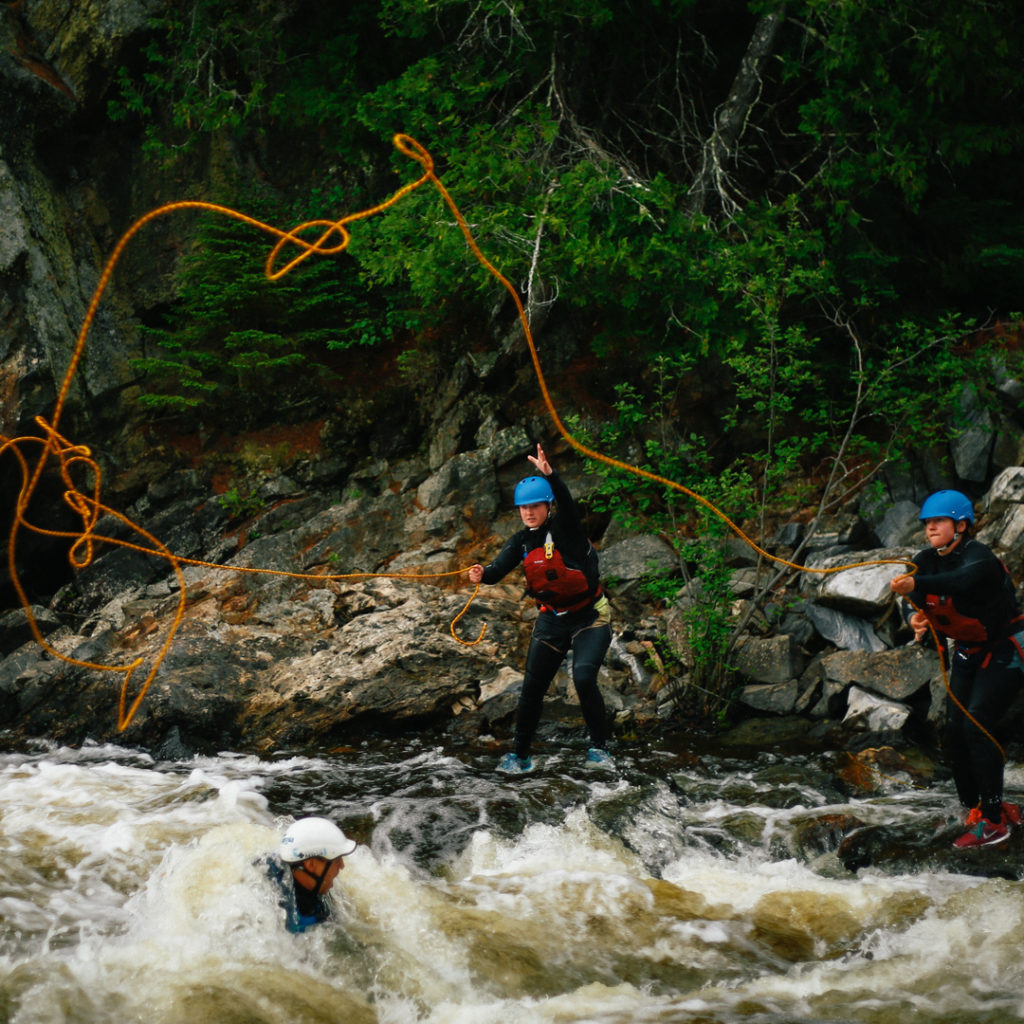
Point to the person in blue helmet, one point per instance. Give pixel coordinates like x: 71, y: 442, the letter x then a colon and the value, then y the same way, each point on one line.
x: 963, y: 591
x: 308, y: 860
x: 562, y: 576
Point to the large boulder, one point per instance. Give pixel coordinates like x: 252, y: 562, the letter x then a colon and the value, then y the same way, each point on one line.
x: 862, y: 588
x: 774, y: 659
x: 848, y: 632
x: 638, y: 557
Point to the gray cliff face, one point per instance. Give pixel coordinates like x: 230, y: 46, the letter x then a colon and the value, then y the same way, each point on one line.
x: 62, y: 196
x: 354, y: 633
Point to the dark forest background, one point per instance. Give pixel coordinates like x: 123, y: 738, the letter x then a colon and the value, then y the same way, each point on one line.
x: 781, y: 230
x: 769, y: 250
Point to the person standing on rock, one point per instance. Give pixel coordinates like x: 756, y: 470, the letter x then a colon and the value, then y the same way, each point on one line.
x: 966, y: 594
x: 561, y: 571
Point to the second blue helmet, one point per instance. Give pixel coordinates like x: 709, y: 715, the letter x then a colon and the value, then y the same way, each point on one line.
x: 948, y: 505
x: 531, y: 490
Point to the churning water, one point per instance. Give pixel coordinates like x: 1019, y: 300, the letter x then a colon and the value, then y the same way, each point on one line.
x: 679, y: 888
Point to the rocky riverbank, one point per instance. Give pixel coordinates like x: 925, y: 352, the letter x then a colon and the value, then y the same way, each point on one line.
x: 317, y: 657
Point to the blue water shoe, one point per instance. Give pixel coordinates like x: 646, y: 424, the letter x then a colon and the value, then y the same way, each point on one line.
x: 515, y: 765
x: 599, y: 757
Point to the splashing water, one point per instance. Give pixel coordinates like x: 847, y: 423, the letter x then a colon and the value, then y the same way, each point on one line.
x: 675, y: 889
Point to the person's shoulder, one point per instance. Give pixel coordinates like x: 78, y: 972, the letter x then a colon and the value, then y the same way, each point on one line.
x: 977, y: 546
x: 520, y: 537
x: 976, y: 551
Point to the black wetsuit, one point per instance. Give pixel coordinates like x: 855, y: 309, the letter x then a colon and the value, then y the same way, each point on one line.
x: 586, y: 628
x: 969, y: 598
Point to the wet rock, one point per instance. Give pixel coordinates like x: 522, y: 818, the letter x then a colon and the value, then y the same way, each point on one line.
x: 900, y: 526
x: 879, y: 769
x: 172, y: 748
x: 789, y: 535
x: 822, y: 833
x: 629, y: 657
x: 863, y: 589
x: 848, y: 632
x: 831, y: 700
x: 767, y: 660
x: 1006, y: 531
x: 928, y: 846
x: 635, y: 558
x: 27, y: 675
x: 971, y: 446
x: 768, y: 733
x: 874, y: 713
x: 1007, y: 490
x: 775, y: 698
x: 15, y: 629
x: 896, y: 674
x: 499, y: 698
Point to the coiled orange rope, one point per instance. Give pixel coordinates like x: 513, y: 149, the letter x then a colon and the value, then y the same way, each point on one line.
x: 333, y: 238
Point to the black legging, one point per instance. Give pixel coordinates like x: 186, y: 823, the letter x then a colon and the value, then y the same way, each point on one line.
x: 985, y: 683
x: 589, y: 635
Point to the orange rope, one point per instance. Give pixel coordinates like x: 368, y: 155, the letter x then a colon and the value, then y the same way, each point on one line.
x: 414, y: 150
x: 333, y: 238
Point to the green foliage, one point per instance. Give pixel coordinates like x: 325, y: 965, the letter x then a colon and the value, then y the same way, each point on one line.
x: 234, y: 335
x: 241, y: 506
x: 861, y: 226
x: 865, y: 179
x: 707, y: 615
x: 206, y: 70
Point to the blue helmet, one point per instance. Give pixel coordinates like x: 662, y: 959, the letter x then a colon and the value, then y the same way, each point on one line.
x: 531, y: 490
x: 948, y: 505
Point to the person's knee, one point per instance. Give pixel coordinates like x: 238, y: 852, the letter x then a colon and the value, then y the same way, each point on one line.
x: 534, y: 686
x: 587, y: 689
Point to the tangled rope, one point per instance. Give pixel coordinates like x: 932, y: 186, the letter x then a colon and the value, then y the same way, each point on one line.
x: 332, y: 238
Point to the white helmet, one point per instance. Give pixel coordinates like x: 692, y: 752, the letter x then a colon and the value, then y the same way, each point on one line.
x: 314, y: 837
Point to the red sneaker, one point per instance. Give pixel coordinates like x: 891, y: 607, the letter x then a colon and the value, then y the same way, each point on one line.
x: 981, y: 832
x: 1011, y: 814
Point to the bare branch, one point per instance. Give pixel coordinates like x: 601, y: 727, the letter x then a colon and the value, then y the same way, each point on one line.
x: 731, y: 120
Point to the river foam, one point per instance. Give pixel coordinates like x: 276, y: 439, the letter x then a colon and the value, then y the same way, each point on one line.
x: 669, y: 892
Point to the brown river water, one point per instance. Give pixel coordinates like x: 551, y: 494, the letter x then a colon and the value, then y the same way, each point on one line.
x: 675, y: 888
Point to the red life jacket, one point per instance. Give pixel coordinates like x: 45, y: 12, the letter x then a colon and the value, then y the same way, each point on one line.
x: 556, y: 586
x: 947, y: 620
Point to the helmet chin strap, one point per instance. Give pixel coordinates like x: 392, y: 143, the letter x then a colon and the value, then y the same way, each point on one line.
x: 319, y: 879
x: 946, y: 548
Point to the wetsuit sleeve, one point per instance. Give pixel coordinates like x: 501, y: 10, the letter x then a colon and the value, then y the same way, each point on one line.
x: 508, y: 558
x: 979, y: 572
x: 568, y: 513
x: 905, y: 608
x: 567, y: 527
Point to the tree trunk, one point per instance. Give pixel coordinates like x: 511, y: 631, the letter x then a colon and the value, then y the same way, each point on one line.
x: 731, y: 118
